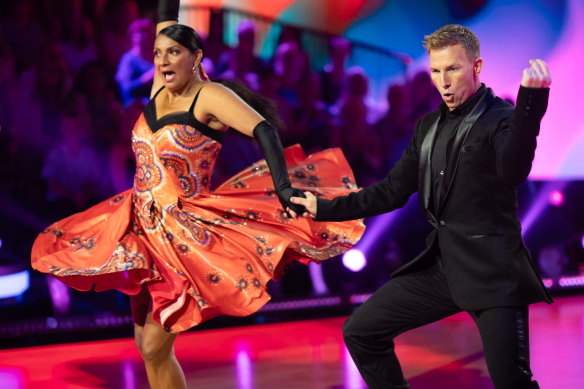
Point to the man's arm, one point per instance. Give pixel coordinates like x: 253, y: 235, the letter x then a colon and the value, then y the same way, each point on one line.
x: 391, y: 193
x: 515, y: 143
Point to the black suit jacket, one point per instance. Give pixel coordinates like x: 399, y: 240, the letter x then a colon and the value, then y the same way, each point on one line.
x: 476, y: 227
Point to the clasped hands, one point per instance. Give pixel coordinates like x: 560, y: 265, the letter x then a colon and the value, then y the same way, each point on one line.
x: 309, y: 204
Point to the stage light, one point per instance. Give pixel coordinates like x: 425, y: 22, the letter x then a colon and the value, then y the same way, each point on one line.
x: 547, y: 282
x: 15, y: 284
x: 351, y: 374
x: 301, y: 304
x: 556, y: 198
x: 354, y: 260
x: 60, y: 295
x: 0, y: 243
x: 566, y: 282
x: 540, y: 203
x: 129, y: 377
x: 244, y: 366
x: 52, y: 323
x: 582, y: 241
x: 359, y: 298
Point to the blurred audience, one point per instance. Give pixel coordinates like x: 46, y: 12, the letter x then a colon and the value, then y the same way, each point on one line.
x: 71, y: 168
x: 240, y: 63
x: 8, y: 102
x: 333, y: 73
x: 105, y: 111
x: 395, y: 128
x: 113, y: 24
x: 288, y: 68
x: 78, y: 39
x: 351, y: 130
x: 424, y: 97
x: 214, y: 44
x: 22, y: 29
x: 311, y: 123
x: 136, y: 69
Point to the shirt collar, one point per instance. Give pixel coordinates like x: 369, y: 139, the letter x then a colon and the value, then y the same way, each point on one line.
x: 465, y: 107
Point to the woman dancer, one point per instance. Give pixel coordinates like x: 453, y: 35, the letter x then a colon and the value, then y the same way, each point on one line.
x: 185, y: 253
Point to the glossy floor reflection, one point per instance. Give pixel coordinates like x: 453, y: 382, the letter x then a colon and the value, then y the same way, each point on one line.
x: 306, y: 354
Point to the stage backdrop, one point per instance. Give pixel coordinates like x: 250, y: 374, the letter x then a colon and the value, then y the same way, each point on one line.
x: 511, y: 32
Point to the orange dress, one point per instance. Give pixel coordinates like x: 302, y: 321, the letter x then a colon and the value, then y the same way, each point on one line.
x: 200, y: 253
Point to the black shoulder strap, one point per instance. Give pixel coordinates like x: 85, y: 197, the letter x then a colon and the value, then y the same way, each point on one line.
x: 195, y: 101
x: 158, y: 92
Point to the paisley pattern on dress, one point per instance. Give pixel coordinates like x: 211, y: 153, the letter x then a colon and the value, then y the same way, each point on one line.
x: 200, y: 253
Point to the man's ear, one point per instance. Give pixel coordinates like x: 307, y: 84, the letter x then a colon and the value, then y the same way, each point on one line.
x: 477, y: 67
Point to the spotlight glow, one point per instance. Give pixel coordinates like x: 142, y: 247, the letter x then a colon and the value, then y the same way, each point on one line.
x: 548, y: 282
x: 354, y: 260
x: 13, y: 285
x: 556, y: 198
x: 243, y: 367
x: 582, y: 240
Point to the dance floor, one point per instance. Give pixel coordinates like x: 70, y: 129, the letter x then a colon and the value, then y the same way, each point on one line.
x: 307, y: 354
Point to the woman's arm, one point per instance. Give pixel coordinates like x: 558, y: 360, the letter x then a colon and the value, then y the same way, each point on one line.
x: 220, y: 103
x: 217, y: 102
x: 167, y: 16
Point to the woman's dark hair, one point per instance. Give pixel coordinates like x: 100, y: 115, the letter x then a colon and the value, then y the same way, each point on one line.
x: 190, y: 39
x: 259, y: 103
x: 184, y: 35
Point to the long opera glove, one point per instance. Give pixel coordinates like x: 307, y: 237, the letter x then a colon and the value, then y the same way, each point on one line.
x: 168, y: 10
x: 267, y: 137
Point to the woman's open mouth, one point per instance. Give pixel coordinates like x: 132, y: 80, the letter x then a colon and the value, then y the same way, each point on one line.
x: 168, y: 76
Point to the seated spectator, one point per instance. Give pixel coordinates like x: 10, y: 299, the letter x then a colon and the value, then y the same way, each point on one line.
x: 71, y: 167
x: 424, y: 97
x: 105, y: 111
x: 113, y: 25
x: 24, y: 33
x: 352, y: 132
x: 333, y: 73
x: 42, y: 92
x: 240, y: 63
x: 269, y: 85
x: 395, y: 129
x: 78, y: 45
x: 136, y: 70
x: 214, y: 45
x: 311, y: 120
x: 8, y: 103
x: 287, y: 67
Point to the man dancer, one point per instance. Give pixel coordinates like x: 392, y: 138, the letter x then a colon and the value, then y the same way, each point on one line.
x: 466, y: 160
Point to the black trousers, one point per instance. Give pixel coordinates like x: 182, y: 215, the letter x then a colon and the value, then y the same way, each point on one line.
x: 413, y: 300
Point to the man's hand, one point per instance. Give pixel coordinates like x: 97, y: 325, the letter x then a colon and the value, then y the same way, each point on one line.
x: 537, y: 75
x: 309, y: 203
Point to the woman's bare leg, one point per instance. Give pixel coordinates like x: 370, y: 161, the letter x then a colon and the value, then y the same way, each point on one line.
x: 156, y: 346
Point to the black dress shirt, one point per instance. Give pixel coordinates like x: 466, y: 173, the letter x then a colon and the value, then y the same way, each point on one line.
x: 447, y: 128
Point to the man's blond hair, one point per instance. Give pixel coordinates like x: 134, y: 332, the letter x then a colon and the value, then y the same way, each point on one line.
x: 454, y: 34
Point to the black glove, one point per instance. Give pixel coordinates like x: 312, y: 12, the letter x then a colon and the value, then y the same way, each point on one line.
x: 168, y: 10
x: 267, y: 137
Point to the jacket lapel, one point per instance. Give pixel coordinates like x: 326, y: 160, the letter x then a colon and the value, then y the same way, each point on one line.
x: 465, y: 127
x: 425, y: 173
